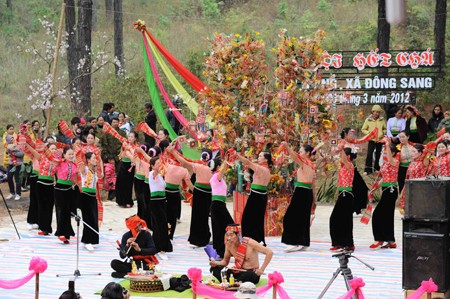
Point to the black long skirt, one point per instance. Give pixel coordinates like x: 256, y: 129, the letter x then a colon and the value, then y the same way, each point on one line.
x: 253, y: 216
x: 401, y: 177
x: 159, y: 225
x: 341, y: 221
x: 46, y: 201
x: 173, y: 207
x: 124, y: 184
x: 146, y: 215
x: 89, y: 210
x: 64, y: 200
x: 139, y: 189
x: 199, y: 231
x: 297, y: 220
x: 32, y: 216
x: 220, y: 219
x: 383, y: 216
x: 360, y: 193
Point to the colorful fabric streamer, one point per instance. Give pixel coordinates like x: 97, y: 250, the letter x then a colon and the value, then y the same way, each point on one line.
x: 427, y: 286
x: 355, y: 288
x: 367, y: 215
x: 37, y: 265
x: 366, y: 138
x: 275, y: 279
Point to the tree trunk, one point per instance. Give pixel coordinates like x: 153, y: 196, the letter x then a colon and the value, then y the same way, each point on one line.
x: 84, y: 41
x: 383, y: 37
x: 118, y: 38
x: 94, y: 14
x: 10, y: 10
x: 108, y: 9
x: 439, y: 30
x: 72, y: 50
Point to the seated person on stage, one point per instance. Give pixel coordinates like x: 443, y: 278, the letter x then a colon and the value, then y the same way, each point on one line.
x: 245, y: 254
x: 138, y: 244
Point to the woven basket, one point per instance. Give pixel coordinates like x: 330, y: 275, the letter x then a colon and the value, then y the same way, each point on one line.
x: 145, y: 285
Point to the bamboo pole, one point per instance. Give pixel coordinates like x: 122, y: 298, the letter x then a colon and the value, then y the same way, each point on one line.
x: 55, y: 65
x: 36, y: 287
x: 274, y: 288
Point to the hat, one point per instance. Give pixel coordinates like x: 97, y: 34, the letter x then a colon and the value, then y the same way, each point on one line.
x: 377, y: 108
x: 247, y: 290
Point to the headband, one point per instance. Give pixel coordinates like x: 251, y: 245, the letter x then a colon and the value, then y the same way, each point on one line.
x: 133, y: 222
x: 208, y: 157
x: 233, y: 228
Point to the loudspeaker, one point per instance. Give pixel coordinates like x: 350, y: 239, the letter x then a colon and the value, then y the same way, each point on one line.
x: 425, y: 256
x: 427, y: 198
x: 426, y: 226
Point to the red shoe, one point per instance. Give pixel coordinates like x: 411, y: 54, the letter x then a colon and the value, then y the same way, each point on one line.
x: 335, y: 248
x: 350, y: 248
x: 376, y: 245
x: 41, y: 233
x: 389, y: 245
x: 63, y: 239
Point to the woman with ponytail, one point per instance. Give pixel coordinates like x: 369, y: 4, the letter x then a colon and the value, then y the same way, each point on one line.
x: 255, y: 209
x: 199, y: 232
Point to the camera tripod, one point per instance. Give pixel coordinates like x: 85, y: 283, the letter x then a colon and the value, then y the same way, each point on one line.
x: 9, y: 212
x: 77, y: 272
x: 344, y: 270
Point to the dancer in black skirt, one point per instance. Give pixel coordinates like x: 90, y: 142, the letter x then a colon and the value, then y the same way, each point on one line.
x: 199, y: 233
x: 359, y: 187
x: 65, y: 196
x: 158, y: 209
x: 220, y: 216
x: 255, y: 209
x: 44, y: 186
x: 383, y: 216
x: 297, y: 220
x: 88, y: 201
x: 125, y: 176
x: 32, y: 215
x: 341, y: 219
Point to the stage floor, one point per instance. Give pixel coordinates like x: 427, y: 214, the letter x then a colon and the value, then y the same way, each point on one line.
x: 306, y: 273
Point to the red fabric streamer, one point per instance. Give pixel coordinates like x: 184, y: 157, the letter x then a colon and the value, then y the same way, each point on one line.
x: 144, y: 127
x: 64, y: 128
x: 367, y: 138
x: 111, y: 131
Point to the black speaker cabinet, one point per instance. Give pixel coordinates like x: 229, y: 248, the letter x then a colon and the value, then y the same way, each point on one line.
x: 427, y: 198
x: 426, y: 226
x: 425, y: 256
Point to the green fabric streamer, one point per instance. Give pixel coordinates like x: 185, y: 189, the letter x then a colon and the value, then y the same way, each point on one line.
x: 159, y: 110
x: 181, y: 91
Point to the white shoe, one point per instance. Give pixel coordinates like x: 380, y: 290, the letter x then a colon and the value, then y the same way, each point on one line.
x: 35, y: 226
x: 163, y: 256
x: 29, y: 226
x: 10, y: 196
x: 17, y: 197
x: 89, y: 247
x: 293, y: 248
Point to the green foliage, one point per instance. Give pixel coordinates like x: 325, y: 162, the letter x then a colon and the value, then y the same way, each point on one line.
x: 211, y: 9
x: 327, y: 190
x: 324, y: 6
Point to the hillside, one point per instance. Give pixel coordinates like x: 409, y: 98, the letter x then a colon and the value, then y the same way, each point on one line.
x: 184, y: 26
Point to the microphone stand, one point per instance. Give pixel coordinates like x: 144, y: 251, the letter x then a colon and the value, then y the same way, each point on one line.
x: 77, y: 272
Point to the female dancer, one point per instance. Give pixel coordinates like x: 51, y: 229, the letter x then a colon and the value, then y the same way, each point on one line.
x: 297, y: 220
x: 220, y: 216
x: 32, y: 216
x: 124, y: 183
x: 416, y: 125
x: 199, y: 233
x: 44, y: 187
x: 359, y: 187
x: 253, y: 215
x: 341, y: 219
x: 443, y: 159
x: 157, y: 187
x: 383, y: 216
x: 405, y: 157
x: 65, y: 196
x: 88, y: 201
